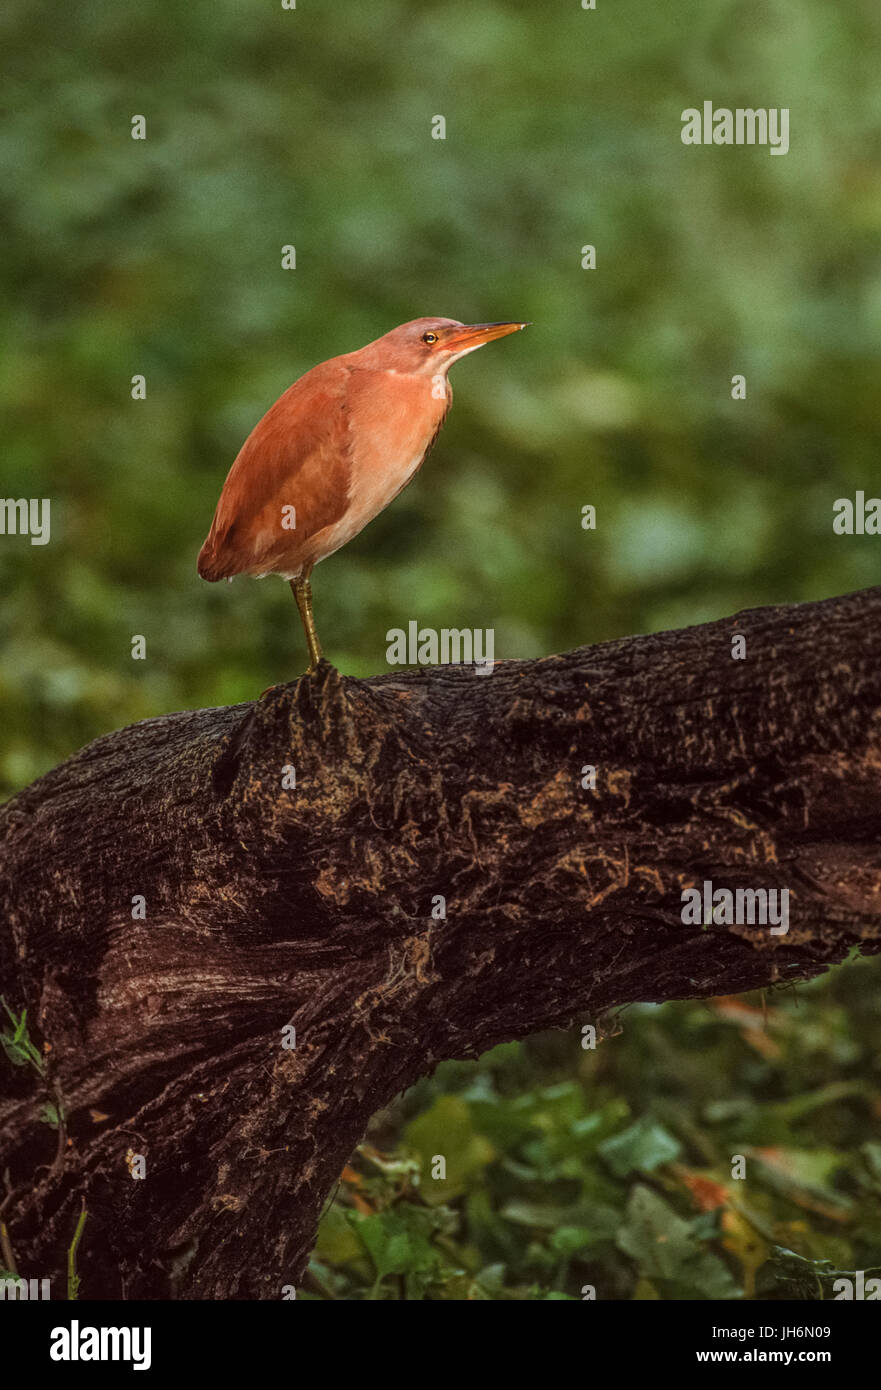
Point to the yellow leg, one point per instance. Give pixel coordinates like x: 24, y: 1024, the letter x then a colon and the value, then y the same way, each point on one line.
x: 302, y: 590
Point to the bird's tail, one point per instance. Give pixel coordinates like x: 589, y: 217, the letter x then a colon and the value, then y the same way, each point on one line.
x: 209, y: 564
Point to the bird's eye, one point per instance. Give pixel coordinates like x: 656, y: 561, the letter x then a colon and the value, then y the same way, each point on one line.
x: 429, y: 337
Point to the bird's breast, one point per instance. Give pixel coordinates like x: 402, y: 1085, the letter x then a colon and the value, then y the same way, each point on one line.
x: 393, y: 422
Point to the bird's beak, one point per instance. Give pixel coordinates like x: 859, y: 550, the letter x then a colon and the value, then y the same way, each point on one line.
x: 474, y: 335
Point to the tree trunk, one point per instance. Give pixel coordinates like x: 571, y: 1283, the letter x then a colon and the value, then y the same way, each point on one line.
x: 316, y: 905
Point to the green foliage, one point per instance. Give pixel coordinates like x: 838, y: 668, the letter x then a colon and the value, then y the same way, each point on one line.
x: 447, y: 1128
x: 17, y: 1044
x: 612, y: 1168
x: 49, y: 1114
x: 788, y: 1275
x: 640, y: 1148
x: 669, y: 1252
x: 73, y: 1279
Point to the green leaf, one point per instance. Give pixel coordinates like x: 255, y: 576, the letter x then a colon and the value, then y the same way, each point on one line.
x: 667, y: 1251
x: 337, y: 1242
x: 642, y: 1147
x: 447, y: 1131
x: 396, y: 1241
x: 569, y: 1240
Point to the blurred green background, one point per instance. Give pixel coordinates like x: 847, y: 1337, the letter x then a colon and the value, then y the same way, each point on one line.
x: 312, y: 127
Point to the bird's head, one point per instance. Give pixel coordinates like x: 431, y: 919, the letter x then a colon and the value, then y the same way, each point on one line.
x: 426, y: 347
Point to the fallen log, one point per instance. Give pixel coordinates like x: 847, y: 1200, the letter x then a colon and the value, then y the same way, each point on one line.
x: 402, y: 869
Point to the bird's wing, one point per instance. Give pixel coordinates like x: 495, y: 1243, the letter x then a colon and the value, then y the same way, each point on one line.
x: 299, y: 455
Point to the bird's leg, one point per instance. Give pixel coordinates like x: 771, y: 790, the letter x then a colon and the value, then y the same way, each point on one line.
x: 302, y: 589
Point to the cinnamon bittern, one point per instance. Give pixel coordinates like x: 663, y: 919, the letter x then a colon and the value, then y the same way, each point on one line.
x: 333, y: 452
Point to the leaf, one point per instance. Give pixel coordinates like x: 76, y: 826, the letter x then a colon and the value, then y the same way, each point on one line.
x: 337, y: 1243
x: 569, y: 1240
x: 447, y: 1131
x: 17, y: 1045
x: 802, y: 1176
x: 524, y: 1213
x: 707, y: 1194
x: 395, y: 1242
x: 642, y: 1147
x: 667, y: 1251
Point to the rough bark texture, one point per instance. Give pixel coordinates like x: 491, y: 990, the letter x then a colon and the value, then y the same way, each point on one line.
x: 312, y: 906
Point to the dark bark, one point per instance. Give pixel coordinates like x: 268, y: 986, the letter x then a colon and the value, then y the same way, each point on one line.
x: 313, y: 906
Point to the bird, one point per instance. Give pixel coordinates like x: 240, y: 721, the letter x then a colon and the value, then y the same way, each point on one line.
x: 332, y: 452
